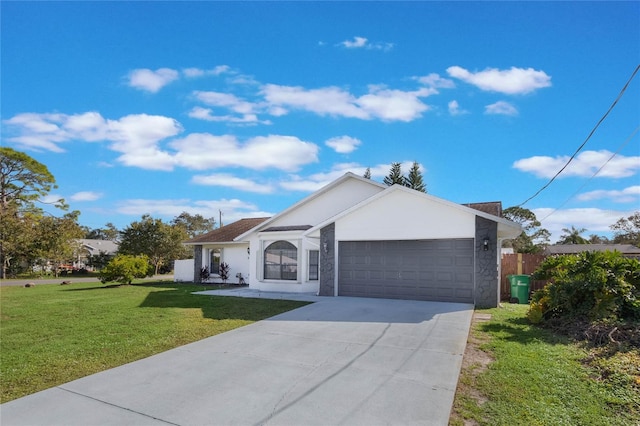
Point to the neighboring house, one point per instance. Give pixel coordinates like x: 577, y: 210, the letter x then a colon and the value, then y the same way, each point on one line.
x: 627, y: 250
x: 357, y: 237
x: 89, y: 247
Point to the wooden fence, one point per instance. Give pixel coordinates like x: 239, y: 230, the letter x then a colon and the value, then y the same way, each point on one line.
x: 520, y: 264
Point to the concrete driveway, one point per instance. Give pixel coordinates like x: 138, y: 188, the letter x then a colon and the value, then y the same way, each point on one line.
x: 339, y: 361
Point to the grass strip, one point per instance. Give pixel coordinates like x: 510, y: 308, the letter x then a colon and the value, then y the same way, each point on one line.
x: 540, y: 378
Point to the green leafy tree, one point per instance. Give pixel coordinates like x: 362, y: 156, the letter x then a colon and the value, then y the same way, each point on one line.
x: 367, y: 173
x: 19, y: 234
x: 159, y: 241
x: 108, y: 233
x: 572, y: 236
x: 395, y: 176
x: 598, y: 239
x: 124, y: 268
x: 194, y: 225
x: 627, y: 230
x: 100, y: 260
x: 56, y: 243
x: 415, y: 180
x: 23, y: 181
x: 533, y: 238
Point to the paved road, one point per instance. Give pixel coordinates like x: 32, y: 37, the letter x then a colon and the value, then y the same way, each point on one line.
x: 73, y: 279
x: 348, y: 361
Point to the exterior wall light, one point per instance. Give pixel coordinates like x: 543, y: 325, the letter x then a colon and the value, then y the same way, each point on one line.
x: 485, y: 244
x: 325, y: 248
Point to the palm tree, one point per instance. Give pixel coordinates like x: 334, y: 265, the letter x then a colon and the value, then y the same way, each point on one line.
x: 572, y: 236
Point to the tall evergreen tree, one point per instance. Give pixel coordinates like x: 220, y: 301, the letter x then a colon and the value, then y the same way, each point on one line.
x: 414, y: 180
x: 395, y: 176
x: 367, y: 173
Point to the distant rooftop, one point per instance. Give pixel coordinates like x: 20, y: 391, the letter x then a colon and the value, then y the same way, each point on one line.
x: 625, y: 249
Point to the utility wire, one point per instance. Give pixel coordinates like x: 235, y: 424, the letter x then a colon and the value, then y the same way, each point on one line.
x: 596, y: 173
x: 585, y: 141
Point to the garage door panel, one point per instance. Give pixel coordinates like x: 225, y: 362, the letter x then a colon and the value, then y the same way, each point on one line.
x: 440, y: 270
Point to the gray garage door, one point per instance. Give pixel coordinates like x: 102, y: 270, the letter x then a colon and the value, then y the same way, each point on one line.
x: 439, y: 270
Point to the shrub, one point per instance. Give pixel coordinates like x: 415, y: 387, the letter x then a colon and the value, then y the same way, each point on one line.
x: 596, y: 285
x: 124, y: 268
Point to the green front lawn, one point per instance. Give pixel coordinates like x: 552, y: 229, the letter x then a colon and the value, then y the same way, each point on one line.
x: 519, y: 374
x: 52, y: 334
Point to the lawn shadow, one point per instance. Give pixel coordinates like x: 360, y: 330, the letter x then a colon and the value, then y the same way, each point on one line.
x: 178, y: 295
x: 520, y: 330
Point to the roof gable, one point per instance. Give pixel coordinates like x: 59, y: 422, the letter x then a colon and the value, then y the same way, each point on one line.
x: 506, y: 228
x: 341, y: 194
x: 228, y: 233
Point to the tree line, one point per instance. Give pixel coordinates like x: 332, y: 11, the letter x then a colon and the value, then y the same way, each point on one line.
x: 32, y: 239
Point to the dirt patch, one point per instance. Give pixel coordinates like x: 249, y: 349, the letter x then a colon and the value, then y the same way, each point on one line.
x: 474, y: 362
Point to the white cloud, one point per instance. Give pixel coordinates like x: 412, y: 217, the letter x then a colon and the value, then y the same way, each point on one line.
x: 152, y: 81
x: 363, y: 43
x: 394, y: 105
x: 85, y: 196
x: 207, y: 115
x: 230, y: 181
x: 454, y: 108
x: 356, y: 43
x: 226, y: 100
x: 318, y: 180
x: 233, y: 209
x: 514, y: 81
x: 501, y: 108
x: 136, y: 136
x: 325, y: 101
x: 198, y: 72
x: 380, y: 102
x: 584, y: 165
x: 434, y: 80
x: 202, y: 151
x: 343, y: 144
x: 594, y: 220
x: 627, y: 195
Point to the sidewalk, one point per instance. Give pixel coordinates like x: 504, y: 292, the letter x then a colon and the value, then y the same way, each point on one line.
x: 72, y: 279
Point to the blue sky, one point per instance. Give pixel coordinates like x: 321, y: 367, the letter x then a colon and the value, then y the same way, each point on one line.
x: 164, y: 107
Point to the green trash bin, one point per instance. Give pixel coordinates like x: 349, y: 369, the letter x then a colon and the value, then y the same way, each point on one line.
x: 520, y: 288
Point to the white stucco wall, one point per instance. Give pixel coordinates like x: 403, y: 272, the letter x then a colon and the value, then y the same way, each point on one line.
x: 235, y: 255
x: 401, y: 215
x: 328, y: 204
x: 183, y: 270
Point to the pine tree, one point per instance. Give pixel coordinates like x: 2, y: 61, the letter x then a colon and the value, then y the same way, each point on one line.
x: 395, y: 175
x: 415, y: 181
x: 367, y: 173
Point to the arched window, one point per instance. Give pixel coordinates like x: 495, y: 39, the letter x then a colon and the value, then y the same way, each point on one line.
x: 281, y: 261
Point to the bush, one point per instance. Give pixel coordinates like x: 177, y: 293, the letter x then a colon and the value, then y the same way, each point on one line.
x: 124, y: 268
x: 595, y: 285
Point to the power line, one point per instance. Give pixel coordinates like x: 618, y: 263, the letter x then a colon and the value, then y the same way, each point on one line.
x: 585, y: 141
x: 596, y: 173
